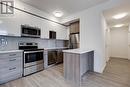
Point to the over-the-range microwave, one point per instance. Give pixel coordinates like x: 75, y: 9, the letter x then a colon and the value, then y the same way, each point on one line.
x: 28, y: 31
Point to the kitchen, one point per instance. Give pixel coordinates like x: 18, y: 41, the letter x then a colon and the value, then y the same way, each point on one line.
x: 41, y: 49
x: 37, y: 48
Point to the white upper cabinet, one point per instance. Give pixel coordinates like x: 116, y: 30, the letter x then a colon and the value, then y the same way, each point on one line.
x: 44, y: 30
x: 11, y: 26
x: 62, y: 33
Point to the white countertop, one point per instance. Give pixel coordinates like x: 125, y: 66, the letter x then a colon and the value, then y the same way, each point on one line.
x: 53, y: 48
x: 10, y: 51
x: 77, y: 51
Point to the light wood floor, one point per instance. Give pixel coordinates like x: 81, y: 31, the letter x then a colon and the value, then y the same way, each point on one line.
x: 116, y: 74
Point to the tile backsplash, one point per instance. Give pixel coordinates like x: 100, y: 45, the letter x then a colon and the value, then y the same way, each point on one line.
x: 12, y: 42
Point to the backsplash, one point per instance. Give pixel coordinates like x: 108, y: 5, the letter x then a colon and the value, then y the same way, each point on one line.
x: 12, y: 42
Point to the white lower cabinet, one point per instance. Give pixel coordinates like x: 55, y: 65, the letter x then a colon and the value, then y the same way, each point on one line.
x: 11, y: 66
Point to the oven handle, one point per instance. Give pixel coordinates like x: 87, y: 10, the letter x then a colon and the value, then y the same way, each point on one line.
x: 34, y: 51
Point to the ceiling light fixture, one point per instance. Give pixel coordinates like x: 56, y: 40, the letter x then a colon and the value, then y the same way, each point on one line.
x: 58, y: 13
x: 119, y: 16
x: 119, y: 25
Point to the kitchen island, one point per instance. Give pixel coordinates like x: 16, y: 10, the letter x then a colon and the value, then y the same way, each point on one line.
x: 76, y: 63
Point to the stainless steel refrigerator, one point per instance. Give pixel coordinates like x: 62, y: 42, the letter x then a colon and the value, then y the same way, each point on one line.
x: 74, y: 41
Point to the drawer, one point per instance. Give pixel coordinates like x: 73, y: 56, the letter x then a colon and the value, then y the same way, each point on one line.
x: 11, y: 70
x: 33, y: 69
x: 11, y: 55
x: 10, y: 61
x: 8, y: 78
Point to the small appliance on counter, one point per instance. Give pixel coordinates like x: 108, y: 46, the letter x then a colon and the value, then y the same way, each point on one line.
x: 33, y: 59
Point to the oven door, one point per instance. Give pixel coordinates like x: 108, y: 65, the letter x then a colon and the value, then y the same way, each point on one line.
x: 32, y: 58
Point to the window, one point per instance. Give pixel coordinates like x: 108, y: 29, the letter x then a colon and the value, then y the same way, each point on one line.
x: 7, y: 7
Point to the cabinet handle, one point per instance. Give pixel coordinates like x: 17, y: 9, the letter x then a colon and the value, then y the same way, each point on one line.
x: 12, y: 54
x: 12, y: 60
x: 12, y: 68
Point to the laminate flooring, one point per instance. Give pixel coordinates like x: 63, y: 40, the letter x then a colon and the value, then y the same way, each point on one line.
x: 116, y: 74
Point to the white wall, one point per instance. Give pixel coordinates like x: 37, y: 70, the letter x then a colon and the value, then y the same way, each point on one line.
x: 92, y: 31
x: 119, y: 42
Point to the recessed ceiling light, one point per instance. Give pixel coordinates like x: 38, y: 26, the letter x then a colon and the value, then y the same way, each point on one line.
x: 119, y: 16
x: 119, y: 25
x: 58, y: 13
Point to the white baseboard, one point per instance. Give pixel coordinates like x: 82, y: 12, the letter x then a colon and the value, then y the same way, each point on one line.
x: 120, y: 57
x: 103, y: 68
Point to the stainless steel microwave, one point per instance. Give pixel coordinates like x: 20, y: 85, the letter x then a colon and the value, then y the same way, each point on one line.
x: 28, y: 31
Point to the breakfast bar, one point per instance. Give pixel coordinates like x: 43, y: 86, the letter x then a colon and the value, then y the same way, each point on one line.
x: 76, y: 63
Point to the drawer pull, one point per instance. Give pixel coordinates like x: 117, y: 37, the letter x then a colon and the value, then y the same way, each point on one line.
x: 12, y: 54
x: 12, y: 60
x: 12, y: 68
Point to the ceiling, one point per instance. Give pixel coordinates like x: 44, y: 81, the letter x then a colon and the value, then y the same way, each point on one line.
x: 124, y: 7
x: 68, y: 7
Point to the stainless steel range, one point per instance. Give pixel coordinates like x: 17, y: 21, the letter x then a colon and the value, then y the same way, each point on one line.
x: 33, y: 58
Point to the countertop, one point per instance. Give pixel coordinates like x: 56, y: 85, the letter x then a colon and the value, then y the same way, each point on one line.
x: 53, y: 48
x: 10, y: 51
x: 77, y: 51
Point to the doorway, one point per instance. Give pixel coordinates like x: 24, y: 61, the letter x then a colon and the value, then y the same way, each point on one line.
x: 117, y: 32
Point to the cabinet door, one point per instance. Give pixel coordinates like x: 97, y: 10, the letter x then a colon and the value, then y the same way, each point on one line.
x: 11, y: 66
x: 44, y: 30
x: 10, y: 24
x: 62, y: 33
x: 74, y: 27
x: 77, y: 27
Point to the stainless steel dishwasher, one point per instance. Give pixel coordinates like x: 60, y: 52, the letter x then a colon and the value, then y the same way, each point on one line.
x: 59, y: 56
x: 52, y: 57
x: 55, y: 57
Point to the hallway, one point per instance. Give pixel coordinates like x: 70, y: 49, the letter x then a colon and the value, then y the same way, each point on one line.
x: 116, y: 74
